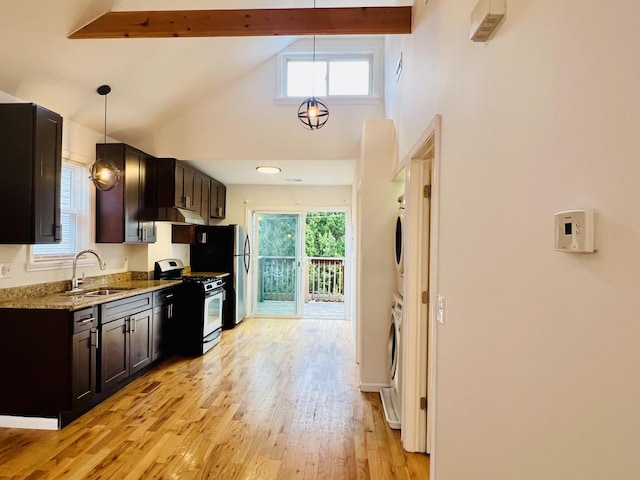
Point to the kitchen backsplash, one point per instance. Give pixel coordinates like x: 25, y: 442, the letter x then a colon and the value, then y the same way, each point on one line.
x: 41, y: 289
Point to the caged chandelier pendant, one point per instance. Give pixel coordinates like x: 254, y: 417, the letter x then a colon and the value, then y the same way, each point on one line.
x: 313, y: 113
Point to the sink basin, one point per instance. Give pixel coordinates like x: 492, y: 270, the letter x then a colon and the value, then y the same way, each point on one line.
x: 104, y: 291
x: 99, y: 292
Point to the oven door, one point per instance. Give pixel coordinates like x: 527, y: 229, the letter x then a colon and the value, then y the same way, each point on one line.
x: 213, y: 311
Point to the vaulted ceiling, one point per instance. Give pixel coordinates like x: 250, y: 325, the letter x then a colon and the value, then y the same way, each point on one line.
x: 153, y: 79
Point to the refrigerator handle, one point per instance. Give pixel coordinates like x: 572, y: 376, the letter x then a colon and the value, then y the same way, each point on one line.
x: 247, y: 246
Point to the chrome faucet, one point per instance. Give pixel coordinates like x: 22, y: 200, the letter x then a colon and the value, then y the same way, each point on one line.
x: 75, y: 281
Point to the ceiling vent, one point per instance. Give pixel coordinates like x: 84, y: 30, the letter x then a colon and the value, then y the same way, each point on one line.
x: 485, y: 17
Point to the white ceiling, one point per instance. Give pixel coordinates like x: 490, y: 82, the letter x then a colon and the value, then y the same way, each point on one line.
x: 155, y: 79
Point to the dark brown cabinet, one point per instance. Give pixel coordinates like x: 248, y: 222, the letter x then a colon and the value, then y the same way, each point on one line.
x: 84, y: 358
x: 202, y: 192
x: 164, y: 302
x: 188, y: 187
x: 218, y: 206
x: 48, y: 362
x: 175, y: 184
x: 125, y: 213
x: 180, y: 186
x: 126, y: 327
x: 31, y: 162
x: 58, y: 364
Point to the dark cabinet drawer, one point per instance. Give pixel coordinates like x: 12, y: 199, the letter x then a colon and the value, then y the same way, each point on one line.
x: 85, y: 319
x: 127, y: 306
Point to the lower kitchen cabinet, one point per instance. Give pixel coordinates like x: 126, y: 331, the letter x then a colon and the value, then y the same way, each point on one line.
x: 164, y: 302
x: 48, y: 363
x: 126, y: 328
x: 59, y: 363
x: 84, y: 358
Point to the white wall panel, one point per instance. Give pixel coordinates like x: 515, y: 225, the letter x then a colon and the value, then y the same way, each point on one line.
x: 537, y: 361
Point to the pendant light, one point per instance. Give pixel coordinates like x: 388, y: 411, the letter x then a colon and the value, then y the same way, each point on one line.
x: 104, y: 173
x: 313, y: 112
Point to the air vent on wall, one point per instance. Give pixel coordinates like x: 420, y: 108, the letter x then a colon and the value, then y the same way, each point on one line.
x: 485, y: 17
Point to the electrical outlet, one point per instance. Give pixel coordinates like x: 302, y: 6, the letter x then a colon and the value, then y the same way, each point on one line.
x: 5, y: 270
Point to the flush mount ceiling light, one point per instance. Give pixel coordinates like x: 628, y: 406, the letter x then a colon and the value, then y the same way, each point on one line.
x: 104, y: 174
x: 268, y: 169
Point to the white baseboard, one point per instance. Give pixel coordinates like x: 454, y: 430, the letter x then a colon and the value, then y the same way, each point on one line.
x: 372, y: 387
x: 33, y: 423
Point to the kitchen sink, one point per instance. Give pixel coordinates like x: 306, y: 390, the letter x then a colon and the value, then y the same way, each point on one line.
x: 99, y: 292
x: 104, y: 291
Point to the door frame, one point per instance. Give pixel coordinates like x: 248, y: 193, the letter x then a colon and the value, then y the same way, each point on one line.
x: 421, y: 275
x: 250, y: 212
x: 299, y: 307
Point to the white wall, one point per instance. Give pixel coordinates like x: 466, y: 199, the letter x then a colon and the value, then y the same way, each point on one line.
x: 377, y: 211
x: 243, y: 122
x: 537, y: 366
x: 240, y: 198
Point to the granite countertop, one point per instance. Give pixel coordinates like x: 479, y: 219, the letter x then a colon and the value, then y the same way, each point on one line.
x: 207, y: 274
x: 66, y: 301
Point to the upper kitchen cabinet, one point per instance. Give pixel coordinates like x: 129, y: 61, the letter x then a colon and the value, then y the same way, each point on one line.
x: 125, y: 213
x: 31, y: 159
x: 180, y: 190
x: 202, y: 193
x: 218, y: 206
x: 175, y: 184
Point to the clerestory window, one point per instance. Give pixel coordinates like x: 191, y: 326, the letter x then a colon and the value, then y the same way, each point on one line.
x: 348, y: 70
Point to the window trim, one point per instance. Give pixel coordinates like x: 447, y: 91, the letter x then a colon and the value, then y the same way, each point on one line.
x: 52, y: 262
x: 335, y: 49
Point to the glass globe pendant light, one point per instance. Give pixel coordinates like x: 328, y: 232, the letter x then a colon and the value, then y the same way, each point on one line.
x: 104, y: 173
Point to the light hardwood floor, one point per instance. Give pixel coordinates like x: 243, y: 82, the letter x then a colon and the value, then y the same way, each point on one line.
x: 276, y: 399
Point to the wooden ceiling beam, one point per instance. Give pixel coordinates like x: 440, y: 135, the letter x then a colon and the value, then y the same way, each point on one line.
x: 250, y: 22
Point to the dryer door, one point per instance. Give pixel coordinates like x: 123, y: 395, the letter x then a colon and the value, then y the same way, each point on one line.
x: 399, y: 243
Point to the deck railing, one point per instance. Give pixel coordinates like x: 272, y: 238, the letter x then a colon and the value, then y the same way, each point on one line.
x: 323, y: 280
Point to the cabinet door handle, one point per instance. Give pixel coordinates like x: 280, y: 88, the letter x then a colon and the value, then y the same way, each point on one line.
x: 86, y: 320
x: 169, y: 296
x: 94, y: 338
x: 132, y: 324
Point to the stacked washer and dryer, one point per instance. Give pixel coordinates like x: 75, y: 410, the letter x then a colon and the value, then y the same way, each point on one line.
x: 391, y: 396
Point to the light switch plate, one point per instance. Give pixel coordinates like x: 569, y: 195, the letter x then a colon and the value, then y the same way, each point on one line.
x: 440, y: 309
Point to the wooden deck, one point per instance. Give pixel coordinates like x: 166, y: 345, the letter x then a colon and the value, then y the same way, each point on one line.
x: 317, y: 310
x: 276, y: 399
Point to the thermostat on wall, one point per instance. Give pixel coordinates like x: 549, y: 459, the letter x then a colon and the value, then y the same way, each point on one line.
x: 576, y: 231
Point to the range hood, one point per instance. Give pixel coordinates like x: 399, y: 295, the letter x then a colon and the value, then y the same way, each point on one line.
x: 179, y: 215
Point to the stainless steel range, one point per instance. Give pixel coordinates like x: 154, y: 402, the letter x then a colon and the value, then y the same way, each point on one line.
x: 199, y: 311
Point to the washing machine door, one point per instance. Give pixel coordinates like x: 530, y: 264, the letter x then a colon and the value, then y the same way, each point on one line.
x: 393, y: 350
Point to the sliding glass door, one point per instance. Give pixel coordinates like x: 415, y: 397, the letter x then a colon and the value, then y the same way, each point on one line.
x: 278, y: 241
x: 299, y: 264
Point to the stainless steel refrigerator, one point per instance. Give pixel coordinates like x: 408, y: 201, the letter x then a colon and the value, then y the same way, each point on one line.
x: 225, y: 248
